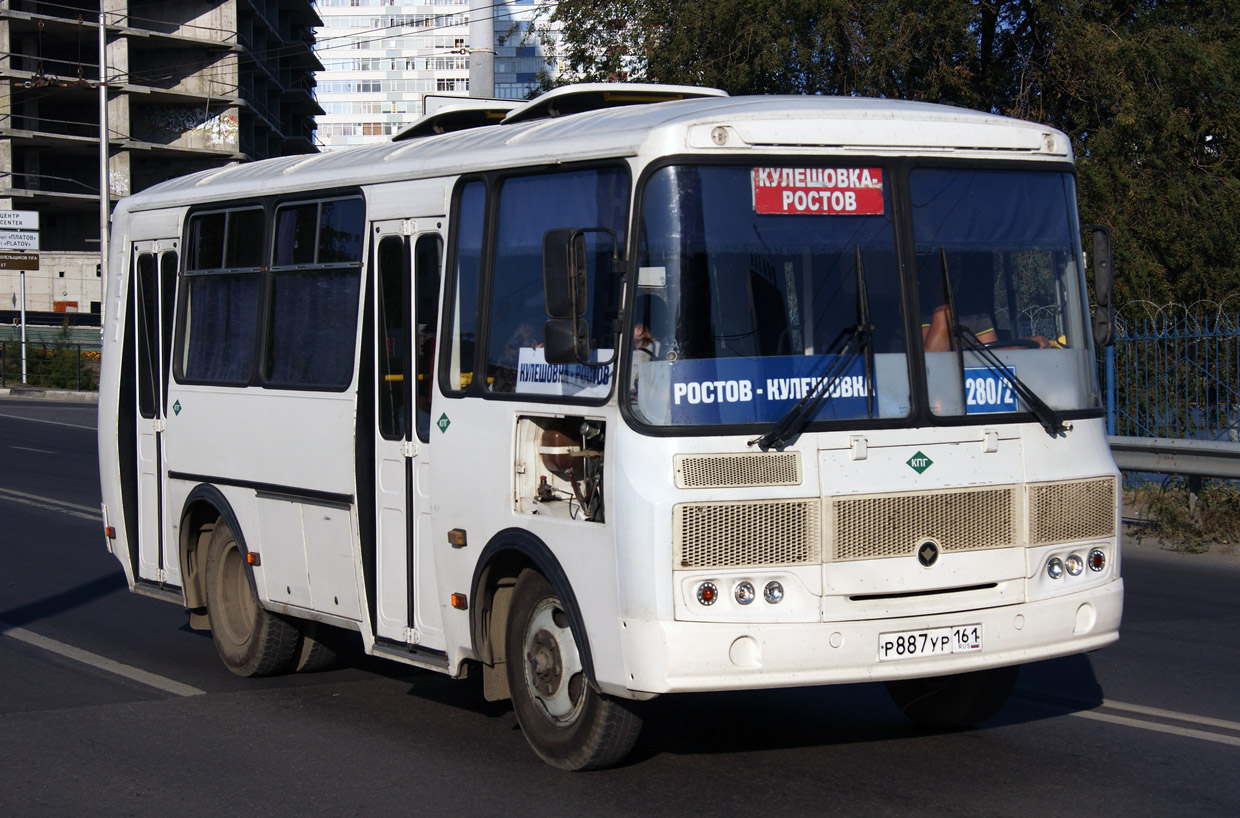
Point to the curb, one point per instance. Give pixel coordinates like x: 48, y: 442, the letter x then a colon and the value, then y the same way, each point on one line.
x: 40, y: 393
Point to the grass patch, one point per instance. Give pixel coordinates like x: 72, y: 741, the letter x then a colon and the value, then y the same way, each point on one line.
x: 1170, y: 514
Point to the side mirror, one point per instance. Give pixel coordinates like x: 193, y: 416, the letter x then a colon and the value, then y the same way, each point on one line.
x: 569, y: 262
x: 564, y: 273
x: 1104, y: 286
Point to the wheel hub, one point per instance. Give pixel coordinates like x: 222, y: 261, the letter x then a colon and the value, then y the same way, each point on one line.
x: 545, y: 664
x: 553, y: 671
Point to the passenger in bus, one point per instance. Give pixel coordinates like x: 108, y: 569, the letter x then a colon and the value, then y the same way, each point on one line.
x: 649, y: 312
x: 503, y: 375
x: 971, y: 288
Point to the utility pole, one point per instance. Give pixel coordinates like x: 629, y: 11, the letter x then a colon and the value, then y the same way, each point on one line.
x: 482, y: 48
x: 104, y: 188
x: 23, y: 279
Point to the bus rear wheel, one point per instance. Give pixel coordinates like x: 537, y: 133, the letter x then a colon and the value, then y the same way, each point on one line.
x: 251, y: 641
x: 954, y: 702
x: 568, y: 723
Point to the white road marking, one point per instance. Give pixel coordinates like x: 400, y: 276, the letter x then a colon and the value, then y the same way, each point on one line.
x: 51, y: 504
x: 102, y: 662
x: 1171, y: 714
x: 1158, y: 727
x: 28, y: 449
x: 48, y: 422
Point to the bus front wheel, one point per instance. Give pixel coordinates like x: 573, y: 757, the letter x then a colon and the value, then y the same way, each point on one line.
x: 954, y: 702
x: 250, y: 640
x: 568, y: 723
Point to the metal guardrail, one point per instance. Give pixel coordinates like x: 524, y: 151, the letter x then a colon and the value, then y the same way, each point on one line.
x: 1163, y: 455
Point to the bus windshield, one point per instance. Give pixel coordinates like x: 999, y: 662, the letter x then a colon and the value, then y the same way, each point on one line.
x: 760, y: 286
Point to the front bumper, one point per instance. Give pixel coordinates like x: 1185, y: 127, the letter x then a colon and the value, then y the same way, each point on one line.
x: 672, y: 657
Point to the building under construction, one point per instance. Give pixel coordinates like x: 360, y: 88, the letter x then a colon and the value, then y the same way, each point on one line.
x: 190, y: 85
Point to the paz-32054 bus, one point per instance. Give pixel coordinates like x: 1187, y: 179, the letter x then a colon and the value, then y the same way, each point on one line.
x: 624, y: 391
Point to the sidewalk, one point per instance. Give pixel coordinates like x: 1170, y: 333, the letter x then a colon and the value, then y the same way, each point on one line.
x: 42, y: 393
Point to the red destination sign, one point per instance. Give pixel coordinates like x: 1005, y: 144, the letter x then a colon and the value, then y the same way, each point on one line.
x: 818, y: 191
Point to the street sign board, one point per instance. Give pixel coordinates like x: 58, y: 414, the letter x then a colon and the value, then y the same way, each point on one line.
x: 19, y: 220
x: 19, y: 239
x: 18, y: 261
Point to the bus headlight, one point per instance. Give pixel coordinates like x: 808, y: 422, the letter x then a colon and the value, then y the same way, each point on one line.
x: 1054, y: 568
x: 773, y: 592
x: 707, y: 593
x: 745, y: 592
x: 1075, y: 565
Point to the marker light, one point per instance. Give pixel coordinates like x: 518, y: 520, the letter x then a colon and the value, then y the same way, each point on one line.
x: 1075, y: 565
x: 745, y: 592
x: 707, y: 593
x: 1097, y: 560
x: 1054, y: 568
x: 773, y: 593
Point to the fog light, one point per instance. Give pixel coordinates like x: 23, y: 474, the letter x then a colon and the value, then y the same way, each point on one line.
x: 1054, y: 568
x: 745, y: 593
x: 1075, y: 565
x: 707, y: 593
x: 1097, y: 560
x: 773, y: 593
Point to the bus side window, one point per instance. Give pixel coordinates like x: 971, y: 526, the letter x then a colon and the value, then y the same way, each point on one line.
x: 393, y: 337
x: 427, y: 257
x: 592, y: 198
x: 461, y: 308
x: 145, y: 305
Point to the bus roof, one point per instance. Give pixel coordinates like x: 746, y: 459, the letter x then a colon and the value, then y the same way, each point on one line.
x: 720, y: 125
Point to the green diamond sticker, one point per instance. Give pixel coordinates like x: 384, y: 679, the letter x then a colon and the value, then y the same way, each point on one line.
x: 176, y: 408
x: 443, y: 422
x: 919, y: 462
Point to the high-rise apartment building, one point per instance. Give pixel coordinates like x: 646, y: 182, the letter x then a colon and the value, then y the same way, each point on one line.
x: 190, y: 86
x: 381, y: 57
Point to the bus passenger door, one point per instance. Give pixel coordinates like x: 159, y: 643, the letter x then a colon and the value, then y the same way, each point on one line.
x: 152, y: 287
x: 407, y: 271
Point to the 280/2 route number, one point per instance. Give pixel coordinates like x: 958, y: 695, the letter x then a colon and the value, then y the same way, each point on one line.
x: 935, y: 642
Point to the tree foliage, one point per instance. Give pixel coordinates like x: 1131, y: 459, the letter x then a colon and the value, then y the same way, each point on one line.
x: 1149, y: 91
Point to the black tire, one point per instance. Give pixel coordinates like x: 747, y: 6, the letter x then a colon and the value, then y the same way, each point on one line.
x: 319, y: 647
x: 250, y: 640
x: 954, y: 702
x: 568, y: 723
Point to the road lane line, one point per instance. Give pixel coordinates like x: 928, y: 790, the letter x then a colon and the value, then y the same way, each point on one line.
x: 102, y: 662
x: 52, y: 504
x: 1172, y: 714
x: 28, y: 449
x: 1156, y: 727
x: 48, y: 422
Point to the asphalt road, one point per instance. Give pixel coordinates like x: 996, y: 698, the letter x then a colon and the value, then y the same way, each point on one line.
x: 110, y: 705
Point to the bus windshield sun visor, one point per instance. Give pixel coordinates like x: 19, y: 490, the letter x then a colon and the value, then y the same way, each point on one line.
x: 841, y: 354
x: 965, y: 339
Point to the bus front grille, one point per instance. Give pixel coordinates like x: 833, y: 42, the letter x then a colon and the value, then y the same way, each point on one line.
x: 894, y: 525
x: 1071, y: 511
x: 761, y: 532
x: 737, y: 470
x: 876, y: 526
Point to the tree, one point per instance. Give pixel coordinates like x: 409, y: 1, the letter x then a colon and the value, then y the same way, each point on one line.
x: 1148, y: 92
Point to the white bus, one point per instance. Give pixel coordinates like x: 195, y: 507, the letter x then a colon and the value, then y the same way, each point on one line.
x: 627, y: 390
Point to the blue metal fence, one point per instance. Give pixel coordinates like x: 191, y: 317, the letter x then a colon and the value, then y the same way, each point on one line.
x: 1173, y: 372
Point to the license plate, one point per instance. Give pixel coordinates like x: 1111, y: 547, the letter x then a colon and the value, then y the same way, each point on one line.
x: 934, y: 642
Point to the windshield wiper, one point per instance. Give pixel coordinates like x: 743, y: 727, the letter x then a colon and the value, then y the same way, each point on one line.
x: 799, y: 416
x: 965, y: 338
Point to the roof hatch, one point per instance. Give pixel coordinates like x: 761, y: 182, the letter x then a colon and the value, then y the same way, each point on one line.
x: 445, y: 114
x: 591, y: 96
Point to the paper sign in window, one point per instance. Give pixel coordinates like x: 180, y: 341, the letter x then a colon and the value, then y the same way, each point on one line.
x: 818, y: 191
